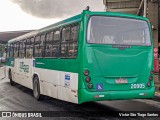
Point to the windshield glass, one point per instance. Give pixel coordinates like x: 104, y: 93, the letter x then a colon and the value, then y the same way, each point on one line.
x: 115, y: 30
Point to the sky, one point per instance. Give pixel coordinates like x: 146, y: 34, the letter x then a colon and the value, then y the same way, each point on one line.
x: 18, y: 15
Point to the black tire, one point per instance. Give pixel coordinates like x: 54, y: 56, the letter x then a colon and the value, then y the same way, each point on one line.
x: 12, y: 83
x: 36, y: 89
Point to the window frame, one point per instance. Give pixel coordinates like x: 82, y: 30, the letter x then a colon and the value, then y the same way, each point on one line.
x: 11, y: 49
x: 70, y: 41
x: 151, y: 42
x: 39, y: 45
x: 54, y: 42
x: 31, y: 46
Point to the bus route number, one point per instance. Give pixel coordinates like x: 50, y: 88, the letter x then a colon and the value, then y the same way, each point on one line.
x: 134, y: 86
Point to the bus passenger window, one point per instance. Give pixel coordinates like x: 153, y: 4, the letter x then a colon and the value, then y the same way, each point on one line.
x: 29, y: 47
x: 57, y: 35
x: 8, y: 51
x: 55, y: 50
x: 69, y: 44
x: 11, y: 54
x: 73, y: 46
x: 56, y: 43
x: 48, y: 51
x: 65, y: 42
x: 49, y: 43
x: 41, y: 46
x: 36, y: 46
x: 16, y: 49
x: 22, y: 49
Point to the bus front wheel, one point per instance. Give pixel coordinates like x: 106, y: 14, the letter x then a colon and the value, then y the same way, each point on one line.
x: 36, y: 89
x: 10, y: 78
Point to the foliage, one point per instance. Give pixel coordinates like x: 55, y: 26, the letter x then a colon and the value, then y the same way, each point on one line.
x: 2, y: 47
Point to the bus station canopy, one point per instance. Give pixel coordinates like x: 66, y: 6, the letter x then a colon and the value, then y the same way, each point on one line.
x: 5, y: 36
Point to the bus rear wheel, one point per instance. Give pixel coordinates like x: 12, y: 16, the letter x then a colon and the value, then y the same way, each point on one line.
x: 10, y: 78
x: 36, y: 89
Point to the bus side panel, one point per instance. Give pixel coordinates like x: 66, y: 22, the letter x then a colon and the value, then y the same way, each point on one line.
x: 47, y: 71
x: 68, y: 80
x: 22, y: 72
x: 48, y: 81
x: 57, y: 79
x: 68, y: 86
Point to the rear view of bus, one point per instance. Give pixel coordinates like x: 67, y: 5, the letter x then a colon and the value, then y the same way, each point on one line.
x: 117, y: 58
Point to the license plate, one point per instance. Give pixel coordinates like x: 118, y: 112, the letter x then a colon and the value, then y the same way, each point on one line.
x: 121, y: 81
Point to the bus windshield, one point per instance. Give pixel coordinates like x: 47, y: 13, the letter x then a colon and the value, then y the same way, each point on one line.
x: 116, y: 30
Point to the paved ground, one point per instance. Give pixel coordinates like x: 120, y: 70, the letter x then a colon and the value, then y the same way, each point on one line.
x: 19, y: 98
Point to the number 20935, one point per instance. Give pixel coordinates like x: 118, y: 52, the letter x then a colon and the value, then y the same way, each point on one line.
x: 134, y: 86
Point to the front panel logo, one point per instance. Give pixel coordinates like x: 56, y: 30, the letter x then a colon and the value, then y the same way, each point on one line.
x: 24, y: 68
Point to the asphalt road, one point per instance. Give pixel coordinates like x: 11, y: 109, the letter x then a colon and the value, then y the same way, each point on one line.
x: 19, y: 98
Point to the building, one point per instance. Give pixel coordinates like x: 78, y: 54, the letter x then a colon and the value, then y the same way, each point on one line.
x: 5, y: 36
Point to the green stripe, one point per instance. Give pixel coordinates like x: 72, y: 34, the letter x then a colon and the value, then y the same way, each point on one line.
x: 68, y: 65
x: 10, y: 62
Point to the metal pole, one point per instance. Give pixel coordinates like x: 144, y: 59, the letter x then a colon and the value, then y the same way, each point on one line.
x: 105, y: 3
x: 140, y: 7
x: 145, y: 8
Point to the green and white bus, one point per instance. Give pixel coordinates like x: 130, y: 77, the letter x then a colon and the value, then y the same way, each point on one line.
x: 92, y: 56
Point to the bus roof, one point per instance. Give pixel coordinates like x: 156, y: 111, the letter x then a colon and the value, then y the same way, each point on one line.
x: 72, y: 20
x: 48, y: 28
x: 61, y: 23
